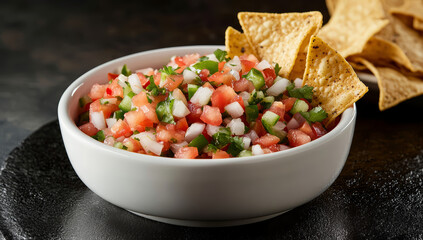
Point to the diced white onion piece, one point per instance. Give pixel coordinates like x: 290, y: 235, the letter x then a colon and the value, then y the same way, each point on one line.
x: 253, y: 135
x: 263, y: 65
x: 234, y: 109
x: 109, y: 141
x: 256, y: 149
x: 110, y: 122
x: 109, y: 100
x: 148, y: 142
x: 298, y: 82
x: 293, y: 124
x: 247, y: 142
x: 279, y: 126
x: 212, y: 57
x: 245, y: 96
x: 234, y: 64
x: 122, y: 79
x: 235, y: 74
x: 211, y: 130
x: 202, y: 96
x: 278, y: 87
x: 97, y: 119
x: 179, y: 109
x: 237, y: 126
x: 283, y: 147
x: 145, y: 71
x: 278, y: 78
x: 189, y: 76
x: 176, y: 146
x: 193, y: 131
x: 136, y: 86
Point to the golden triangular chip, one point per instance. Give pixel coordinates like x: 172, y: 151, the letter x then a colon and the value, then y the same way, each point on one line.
x: 352, y: 24
x: 394, y: 86
x: 410, y: 8
x: 418, y: 24
x: 236, y: 43
x: 335, y: 84
x: 279, y: 37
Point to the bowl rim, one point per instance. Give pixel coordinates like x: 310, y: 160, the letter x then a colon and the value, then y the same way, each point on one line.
x: 347, y: 118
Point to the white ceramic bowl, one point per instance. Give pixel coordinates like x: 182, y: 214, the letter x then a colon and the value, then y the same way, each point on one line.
x: 212, y: 192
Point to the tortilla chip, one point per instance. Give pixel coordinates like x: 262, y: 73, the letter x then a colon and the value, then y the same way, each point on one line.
x: 236, y: 43
x: 380, y: 51
x: 395, y: 87
x: 406, y: 39
x: 279, y: 37
x: 352, y: 24
x: 411, y: 8
x: 331, y: 5
x: 335, y: 84
x: 418, y: 24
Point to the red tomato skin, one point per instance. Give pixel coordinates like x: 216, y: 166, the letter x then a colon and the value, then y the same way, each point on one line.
x: 239, y: 99
x: 269, y: 76
x: 318, y: 129
x: 179, y: 61
x: 306, y: 128
x: 211, y: 115
x: 187, y: 153
x: 173, y: 81
x: 97, y: 91
x: 267, y: 140
x: 220, y: 154
x: 121, y: 128
x: 182, y: 124
x: 297, y: 138
x: 289, y: 102
x: 247, y: 66
x: 195, y: 113
x: 222, y: 77
x: 144, y: 81
x: 112, y: 76
x: 107, y: 109
x: 222, y: 96
x: 204, y: 74
x: 89, y: 129
x: 278, y: 108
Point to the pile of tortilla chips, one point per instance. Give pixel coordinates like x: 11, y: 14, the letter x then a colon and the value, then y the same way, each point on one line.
x: 289, y: 40
x: 384, y: 37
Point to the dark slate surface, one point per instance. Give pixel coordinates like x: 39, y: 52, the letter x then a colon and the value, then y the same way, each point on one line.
x: 45, y: 45
x: 379, y: 194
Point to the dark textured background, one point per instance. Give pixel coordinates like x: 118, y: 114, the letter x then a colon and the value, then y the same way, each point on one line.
x: 45, y: 45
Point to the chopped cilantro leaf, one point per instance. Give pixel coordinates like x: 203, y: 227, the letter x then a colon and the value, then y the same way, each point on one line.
x: 154, y: 89
x: 237, y: 145
x: 303, y: 92
x: 277, y: 69
x: 125, y: 71
x: 210, y: 148
x: 222, y: 138
x: 221, y: 55
x: 317, y: 114
x: 168, y: 70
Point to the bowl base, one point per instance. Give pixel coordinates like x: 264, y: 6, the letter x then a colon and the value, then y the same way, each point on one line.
x: 200, y: 223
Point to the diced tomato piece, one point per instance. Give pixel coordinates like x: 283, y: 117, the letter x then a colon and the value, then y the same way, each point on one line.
x: 206, y: 135
x: 190, y: 58
x: 97, y: 91
x: 187, y: 153
x: 180, y: 69
x: 150, y: 113
x: 211, y: 115
x: 267, y: 140
x: 222, y: 77
x: 289, y: 102
x: 297, y: 138
x: 258, y: 128
x: 114, y: 90
x: 249, y: 57
x: 157, y: 99
x: 221, y: 65
x: 333, y: 124
x: 208, y: 85
x: 169, y: 133
x: 157, y: 77
x: 112, y: 76
x: 243, y: 85
x: 306, y: 128
x: 107, y: 109
x: 246, y: 66
x: 131, y: 144
x: 173, y: 81
x: 135, y: 119
x: 318, y: 129
x: 222, y: 96
x: 220, y: 154
x: 274, y: 148
x: 195, y: 113
x: 278, y: 108
x: 287, y: 117
x: 121, y: 128
x: 204, y: 74
x: 144, y: 80
x: 179, y: 61
x: 269, y: 76
x: 89, y: 129
x: 140, y: 99
x: 182, y: 124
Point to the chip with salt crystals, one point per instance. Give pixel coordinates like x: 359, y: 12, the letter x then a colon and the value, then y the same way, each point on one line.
x: 395, y: 86
x: 352, y: 24
x: 335, y: 84
x: 236, y: 43
x: 279, y: 37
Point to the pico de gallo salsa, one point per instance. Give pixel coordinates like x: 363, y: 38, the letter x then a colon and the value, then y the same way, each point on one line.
x: 202, y: 107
